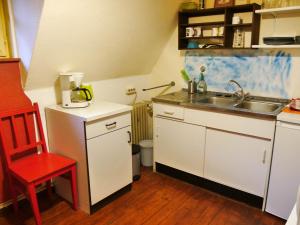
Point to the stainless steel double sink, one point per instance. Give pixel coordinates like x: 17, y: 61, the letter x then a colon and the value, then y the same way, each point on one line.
x: 226, y: 102
x: 250, y: 105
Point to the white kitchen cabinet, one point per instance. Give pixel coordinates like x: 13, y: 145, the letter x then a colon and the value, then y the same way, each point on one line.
x: 98, y: 138
x: 109, y: 162
x: 179, y: 145
x: 237, y: 160
x: 226, y: 148
x: 285, y: 175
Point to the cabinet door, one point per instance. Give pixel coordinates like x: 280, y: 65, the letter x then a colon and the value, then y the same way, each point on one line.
x: 179, y: 145
x: 109, y: 163
x: 237, y: 160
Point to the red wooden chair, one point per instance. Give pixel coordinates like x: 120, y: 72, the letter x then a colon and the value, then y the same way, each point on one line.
x: 29, y: 164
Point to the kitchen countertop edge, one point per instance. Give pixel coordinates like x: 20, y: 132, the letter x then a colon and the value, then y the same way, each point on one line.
x: 95, y: 111
x: 208, y: 107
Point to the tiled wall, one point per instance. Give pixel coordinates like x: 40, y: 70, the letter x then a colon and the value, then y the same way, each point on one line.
x: 260, y: 72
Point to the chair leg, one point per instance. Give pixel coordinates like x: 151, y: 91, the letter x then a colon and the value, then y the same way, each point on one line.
x: 13, y: 194
x: 49, y: 190
x: 34, y: 204
x: 74, y: 187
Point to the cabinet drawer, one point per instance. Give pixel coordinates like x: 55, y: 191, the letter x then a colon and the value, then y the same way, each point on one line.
x: 234, y: 123
x: 168, y: 111
x: 98, y: 127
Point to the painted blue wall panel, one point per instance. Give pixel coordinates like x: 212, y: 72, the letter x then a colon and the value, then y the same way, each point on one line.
x: 259, y: 72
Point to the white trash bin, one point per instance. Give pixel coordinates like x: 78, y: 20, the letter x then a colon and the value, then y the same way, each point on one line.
x: 147, y: 152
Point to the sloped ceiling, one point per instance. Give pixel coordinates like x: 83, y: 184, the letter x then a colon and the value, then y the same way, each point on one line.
x: 104, y: 39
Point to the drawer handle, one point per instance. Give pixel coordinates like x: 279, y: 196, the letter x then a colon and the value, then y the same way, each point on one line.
x: 168, y: 113
x: 129, y: 133
x: 111, y: 125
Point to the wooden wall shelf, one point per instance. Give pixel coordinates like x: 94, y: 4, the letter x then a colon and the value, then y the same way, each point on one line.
x: 228, y: 34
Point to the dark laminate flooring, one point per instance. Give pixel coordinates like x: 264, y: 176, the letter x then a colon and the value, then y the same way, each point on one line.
x: 154, y: 199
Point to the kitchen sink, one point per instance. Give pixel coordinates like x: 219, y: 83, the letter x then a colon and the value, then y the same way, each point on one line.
x: 255, y: 106
x: 227, y: 102
x: 218, y: 101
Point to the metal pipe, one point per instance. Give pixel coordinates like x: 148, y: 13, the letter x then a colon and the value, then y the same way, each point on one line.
x: 165, y: 85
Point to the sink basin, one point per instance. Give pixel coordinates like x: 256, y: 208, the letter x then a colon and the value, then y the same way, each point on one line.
x: 263, y: 107
x: 219, y: 101
x: 253, y: 106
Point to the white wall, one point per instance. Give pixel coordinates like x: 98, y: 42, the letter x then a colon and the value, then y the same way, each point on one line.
x: 104, y: 39
x: 26, y: 20
x: 168, y: 66
x: 107, y: 90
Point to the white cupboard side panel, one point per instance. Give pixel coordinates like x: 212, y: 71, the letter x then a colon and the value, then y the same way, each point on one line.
x: 285, y: 172
x: 179, y: 145
x: 66, y: 137
x: 110, y: 163
x: 238, y: 161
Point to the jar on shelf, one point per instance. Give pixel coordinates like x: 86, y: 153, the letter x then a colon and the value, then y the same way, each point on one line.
x: 294, y: 2
x: 188, y: 5
x: 269, y: 4
x: 201, y: 4
x: 282, y: 3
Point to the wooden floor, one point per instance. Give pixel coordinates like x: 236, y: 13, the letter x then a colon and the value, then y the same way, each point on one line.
x: 154, y: 199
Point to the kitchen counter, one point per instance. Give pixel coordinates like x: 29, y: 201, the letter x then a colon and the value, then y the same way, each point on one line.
x: 96, y: 110
x: 184, y: 99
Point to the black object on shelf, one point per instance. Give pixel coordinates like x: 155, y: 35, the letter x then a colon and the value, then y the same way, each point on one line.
x: 279, y: 40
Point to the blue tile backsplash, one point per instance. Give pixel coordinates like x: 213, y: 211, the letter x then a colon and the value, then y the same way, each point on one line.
x: 258, y: 72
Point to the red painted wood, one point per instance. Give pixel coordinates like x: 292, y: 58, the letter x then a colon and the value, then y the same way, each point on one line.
x: 74, y: 188
x: 12, y: 96
x: 37, y: 165
x: 34, y: 204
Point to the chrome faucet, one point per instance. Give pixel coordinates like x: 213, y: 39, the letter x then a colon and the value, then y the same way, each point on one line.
x: 239, y: 93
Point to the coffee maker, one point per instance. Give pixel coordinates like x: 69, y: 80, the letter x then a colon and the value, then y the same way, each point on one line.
x: 73, y: 96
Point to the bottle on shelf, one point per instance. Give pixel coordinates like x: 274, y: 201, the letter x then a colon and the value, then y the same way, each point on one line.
x: 202, y: 86
x: 201, y: 4
x: 238, y: 38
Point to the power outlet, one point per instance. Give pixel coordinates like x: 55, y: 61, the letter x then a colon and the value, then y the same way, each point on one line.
x: 130, y: 91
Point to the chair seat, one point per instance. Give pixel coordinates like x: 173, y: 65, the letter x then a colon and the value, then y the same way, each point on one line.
x: 38, y: 166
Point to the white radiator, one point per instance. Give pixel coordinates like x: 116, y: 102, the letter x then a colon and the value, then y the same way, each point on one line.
x: 141, y: 122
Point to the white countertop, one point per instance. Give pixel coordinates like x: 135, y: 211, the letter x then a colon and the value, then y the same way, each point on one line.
x: 96, y: 110
x: 289, y: 117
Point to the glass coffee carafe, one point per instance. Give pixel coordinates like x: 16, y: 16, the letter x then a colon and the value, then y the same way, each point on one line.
x: 80, y: 94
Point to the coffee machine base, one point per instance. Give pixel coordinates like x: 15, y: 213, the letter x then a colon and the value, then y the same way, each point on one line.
x: 75, y: 105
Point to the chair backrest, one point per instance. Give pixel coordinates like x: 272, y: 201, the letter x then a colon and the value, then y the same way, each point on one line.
x: 13, y: 125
